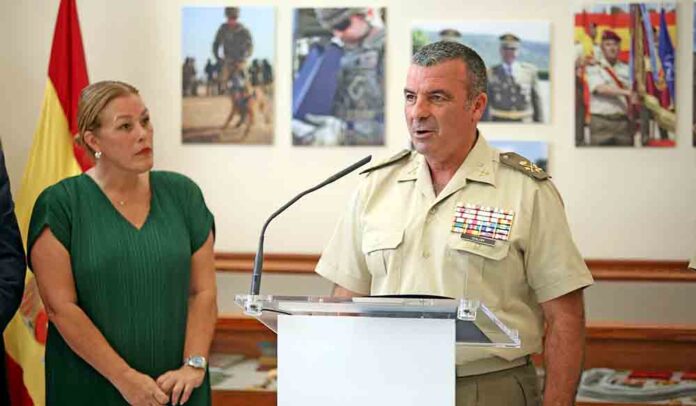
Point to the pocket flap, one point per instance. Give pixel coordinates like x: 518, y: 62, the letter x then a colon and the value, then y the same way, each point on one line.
x: 497, y: 252
x: 375, y: 240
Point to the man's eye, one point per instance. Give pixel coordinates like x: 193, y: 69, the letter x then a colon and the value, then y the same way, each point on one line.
x: 125, y: 126
x: 145, y: 121
x: 410, y: 98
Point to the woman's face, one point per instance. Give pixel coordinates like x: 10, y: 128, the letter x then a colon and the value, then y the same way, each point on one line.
x: 125, y: 135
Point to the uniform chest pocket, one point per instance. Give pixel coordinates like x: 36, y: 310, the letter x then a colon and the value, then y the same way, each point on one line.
x: 471, y: 260
x: 382, y: 250
x: 495, y: 253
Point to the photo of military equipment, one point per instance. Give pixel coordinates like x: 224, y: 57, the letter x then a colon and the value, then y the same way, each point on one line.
x: 625, y: 75
x: 227, y: 75
x: 338, y: 76
x: 516, y: 54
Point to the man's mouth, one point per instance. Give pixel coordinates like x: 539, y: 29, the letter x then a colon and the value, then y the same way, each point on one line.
x: 423, y: 132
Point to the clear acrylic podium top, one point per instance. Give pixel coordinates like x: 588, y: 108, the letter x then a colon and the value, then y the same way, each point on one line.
x: 475, y: 324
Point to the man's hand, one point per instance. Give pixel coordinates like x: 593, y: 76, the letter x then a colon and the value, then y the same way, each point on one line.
x: 181, y: 382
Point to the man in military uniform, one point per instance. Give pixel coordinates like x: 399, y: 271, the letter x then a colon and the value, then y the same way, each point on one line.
x: 513, y: 86
x: 458, y: 218
x: 609, y: 84
x: 359, y: 99
x: 236, y: 43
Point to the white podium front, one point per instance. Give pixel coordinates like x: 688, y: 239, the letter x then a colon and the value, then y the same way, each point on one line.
x: 373, y: 350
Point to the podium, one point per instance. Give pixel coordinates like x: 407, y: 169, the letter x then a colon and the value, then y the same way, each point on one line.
x: 373, y: 350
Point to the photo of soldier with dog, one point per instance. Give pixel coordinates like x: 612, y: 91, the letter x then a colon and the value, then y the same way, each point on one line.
x: 227, y: 75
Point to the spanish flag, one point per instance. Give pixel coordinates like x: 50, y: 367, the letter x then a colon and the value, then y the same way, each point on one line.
x: 54, y: 156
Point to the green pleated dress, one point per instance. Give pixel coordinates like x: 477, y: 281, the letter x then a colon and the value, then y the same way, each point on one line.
x: 133, y: 284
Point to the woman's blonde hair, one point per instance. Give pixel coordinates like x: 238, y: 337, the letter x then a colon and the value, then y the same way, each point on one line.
x: 93, y: 100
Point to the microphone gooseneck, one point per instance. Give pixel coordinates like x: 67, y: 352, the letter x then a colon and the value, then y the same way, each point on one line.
x: 258, y: 260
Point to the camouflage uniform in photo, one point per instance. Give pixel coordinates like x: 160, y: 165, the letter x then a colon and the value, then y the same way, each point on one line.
x: 237, y: 45
x: 359, y: 99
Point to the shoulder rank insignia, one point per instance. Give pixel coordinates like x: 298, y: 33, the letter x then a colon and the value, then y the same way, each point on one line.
x: 523, y: 165
x: 396, y: 158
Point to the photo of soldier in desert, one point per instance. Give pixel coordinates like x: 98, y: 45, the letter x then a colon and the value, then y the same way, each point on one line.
x: 227, y: 75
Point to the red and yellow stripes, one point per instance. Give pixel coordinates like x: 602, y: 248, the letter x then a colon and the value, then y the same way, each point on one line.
x: 53, y: 156
x: 619, y: 23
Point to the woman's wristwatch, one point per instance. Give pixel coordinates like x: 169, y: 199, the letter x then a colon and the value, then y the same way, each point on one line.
x: 196, y: 361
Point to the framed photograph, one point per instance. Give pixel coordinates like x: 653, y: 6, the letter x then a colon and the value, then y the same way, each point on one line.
x: 338, y: 76
x: 517, y: 55
x: 227, y: 71
x: 536, y: 151
x: 625, y: 75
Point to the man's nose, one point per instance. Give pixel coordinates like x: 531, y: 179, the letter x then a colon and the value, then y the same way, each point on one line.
x: 421, y: 109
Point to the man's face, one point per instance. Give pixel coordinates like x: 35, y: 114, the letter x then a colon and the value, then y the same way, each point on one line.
x: 351, y: 30
x: 509, y: 54
x: 610, y: 49
x: 439, y: 115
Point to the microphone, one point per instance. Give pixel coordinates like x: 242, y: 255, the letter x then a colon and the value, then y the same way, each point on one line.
x: 258, y: 260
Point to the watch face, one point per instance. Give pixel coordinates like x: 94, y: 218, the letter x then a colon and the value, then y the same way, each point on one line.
x: 196, y: 362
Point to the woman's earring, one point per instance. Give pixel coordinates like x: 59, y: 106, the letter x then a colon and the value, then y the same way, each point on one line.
x: 97, y: 154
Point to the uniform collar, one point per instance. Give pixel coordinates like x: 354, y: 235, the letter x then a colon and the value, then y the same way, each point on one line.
x: 479, y: 166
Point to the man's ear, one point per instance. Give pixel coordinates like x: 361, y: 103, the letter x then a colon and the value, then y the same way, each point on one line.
x: 479, y: 105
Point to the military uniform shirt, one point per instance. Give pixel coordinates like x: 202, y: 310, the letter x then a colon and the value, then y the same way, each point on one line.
x: 359, y: 99
x: 514, y: 92
x: 396, y: 238
x: 597, y: 75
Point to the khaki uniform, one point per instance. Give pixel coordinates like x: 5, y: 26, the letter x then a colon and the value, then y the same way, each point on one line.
x: 514, y: 94
x: 609, y: 123
x: 396, y: 238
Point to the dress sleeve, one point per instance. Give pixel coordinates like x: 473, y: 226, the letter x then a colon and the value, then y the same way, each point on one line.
x: 51, y: 210
x: 199, y: 219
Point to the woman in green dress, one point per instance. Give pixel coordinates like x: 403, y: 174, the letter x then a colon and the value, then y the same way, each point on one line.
x: 123, y: 257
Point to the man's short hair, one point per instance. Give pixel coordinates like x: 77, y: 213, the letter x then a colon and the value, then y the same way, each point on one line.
x: 443, y: 51
x: 609, y: 35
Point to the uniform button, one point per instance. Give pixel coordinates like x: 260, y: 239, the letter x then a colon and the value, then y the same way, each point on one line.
x: 426, y: 254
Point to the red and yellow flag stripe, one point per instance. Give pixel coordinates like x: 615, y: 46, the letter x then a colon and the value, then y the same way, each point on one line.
x: 619, y: 23
x: 53, y: 156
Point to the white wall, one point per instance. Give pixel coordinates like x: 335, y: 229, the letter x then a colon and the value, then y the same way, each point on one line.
x: 621, y: 203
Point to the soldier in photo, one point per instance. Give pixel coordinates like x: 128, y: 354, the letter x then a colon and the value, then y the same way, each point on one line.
x: 237, y: 45
x: 611, y: 96
x: 513, y: 86
x: 450, y: 34
x: 359, y: 100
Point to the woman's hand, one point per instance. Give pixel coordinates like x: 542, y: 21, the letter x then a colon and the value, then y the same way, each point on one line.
x: 181, y: 382
x: 140, y: 390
